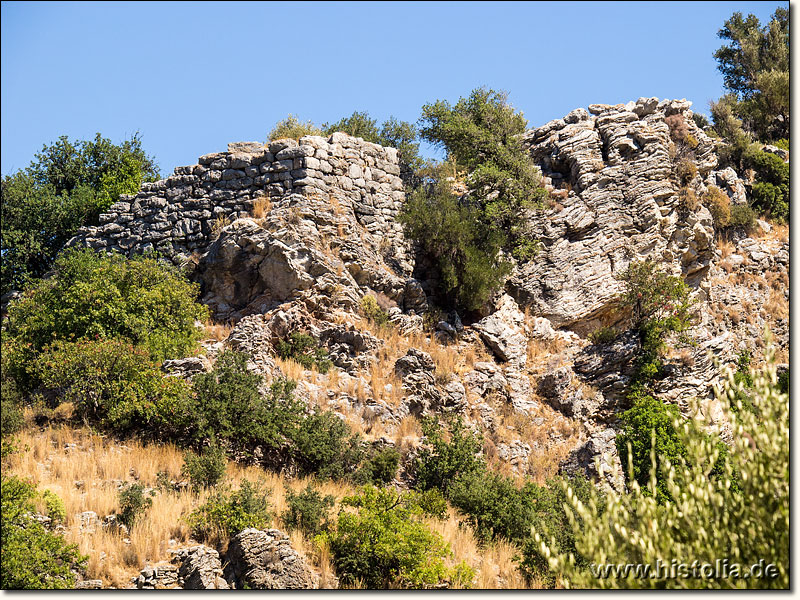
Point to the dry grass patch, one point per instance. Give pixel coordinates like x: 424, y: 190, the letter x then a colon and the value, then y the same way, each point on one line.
x: 218, y: 332
x: 261, y: 206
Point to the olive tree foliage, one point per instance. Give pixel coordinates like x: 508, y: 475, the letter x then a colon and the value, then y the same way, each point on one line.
x: 66, y: 186
x: 738, y: 509
x: 755, y: 68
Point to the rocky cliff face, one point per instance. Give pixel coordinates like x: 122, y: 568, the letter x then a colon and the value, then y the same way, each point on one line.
x: 291, y: 236
x: 612, y: 170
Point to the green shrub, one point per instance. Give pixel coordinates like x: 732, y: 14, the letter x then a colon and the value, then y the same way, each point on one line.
x: 384, y: 544
x: 743, y: 216
x: 741, y: 515
x: 771, y: 189
x: 382, y: 466
x: 91, y: 296
x: 481, y: 133
x: 603, y: 335
x: 230, y: 407
x: 132, y: 503
x: 292, y: 128
x: 550, y: 517
x: 660, y: 307
x: 646, y: 416
x: 441, y: 461
x: 32, y: 557
x: 206, y: 469
x: 67, y: 185
x: 431, y: 502
x: 325, y: 446
x: 304, y: 349
x: 372, y: 311
x: 113, y: 384
x: 465, y: 251
x: 55, y: 506
x: 307, y: 511
x: 11, y: 417
x: 493, y: 505
x: 227, y: 513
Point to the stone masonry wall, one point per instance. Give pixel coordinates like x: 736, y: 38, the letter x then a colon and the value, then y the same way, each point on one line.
x: 176, y: 216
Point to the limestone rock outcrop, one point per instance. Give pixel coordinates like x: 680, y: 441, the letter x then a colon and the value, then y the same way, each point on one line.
x: 265, y: 560
x: 612, y: 170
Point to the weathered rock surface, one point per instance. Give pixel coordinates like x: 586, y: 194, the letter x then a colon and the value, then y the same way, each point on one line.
x: 504, y: 332
x: 613, y: 172
x: 199, y: 568
x: 265, y: 560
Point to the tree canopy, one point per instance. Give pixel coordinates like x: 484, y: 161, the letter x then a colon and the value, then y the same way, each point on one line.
x: 66, y: 186
x: 755, y: 68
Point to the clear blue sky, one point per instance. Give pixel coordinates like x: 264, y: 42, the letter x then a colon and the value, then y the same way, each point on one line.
x: 192, y: 76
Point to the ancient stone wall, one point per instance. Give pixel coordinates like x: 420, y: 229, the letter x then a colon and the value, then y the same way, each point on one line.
x: 178, y: 215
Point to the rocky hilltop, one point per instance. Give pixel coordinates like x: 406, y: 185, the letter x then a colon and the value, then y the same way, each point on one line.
x: 291, y: 236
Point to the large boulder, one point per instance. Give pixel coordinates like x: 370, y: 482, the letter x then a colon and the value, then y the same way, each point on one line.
x: 265, y: 560
x: 504, y: 332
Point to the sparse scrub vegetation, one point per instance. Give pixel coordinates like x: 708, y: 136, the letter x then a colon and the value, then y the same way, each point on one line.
x: 292, y: 128
x: 225, y: 513
x: 304, y: 349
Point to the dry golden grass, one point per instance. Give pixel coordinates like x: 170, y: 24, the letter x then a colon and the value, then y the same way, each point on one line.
x: 55, y: 458
x: 725, y: 247
x: 217, y: 331
x: 261, y: 206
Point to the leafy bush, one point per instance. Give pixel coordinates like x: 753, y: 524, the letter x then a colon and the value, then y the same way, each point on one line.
x: 303, y: 348
x: 381, y: 467
x: 307, y: 511
x: 481, y: 133
x: 743, y: 217
x: 493, y: 505
x: 385, y: 544
x: 206, y: 469
x: 32, y: 557
x: 465, y: 252
x: 372, y: 311
x: 230, y: 408
x: 550, y: 517
x: 292, y: 128
x: 114, y: 385
x: 649, y: 420
x: 11, y: 417
x: 67, y: 185
x: 660, y: 306
x: 742, y: 515
x: 132, y: 503
x: 55, y: 506
x: 90, y: 295
x: 441, y: 461
x: 325, y: 446
x: 771, y: 189
x: 227, y: 513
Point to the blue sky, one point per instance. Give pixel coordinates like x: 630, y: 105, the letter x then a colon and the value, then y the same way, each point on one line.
x: 191, y: 77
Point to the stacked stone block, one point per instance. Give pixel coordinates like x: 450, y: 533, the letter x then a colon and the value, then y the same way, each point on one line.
x: 178, y: 215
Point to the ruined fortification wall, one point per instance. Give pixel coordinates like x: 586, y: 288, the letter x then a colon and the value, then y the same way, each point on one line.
x: 176, y: 216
